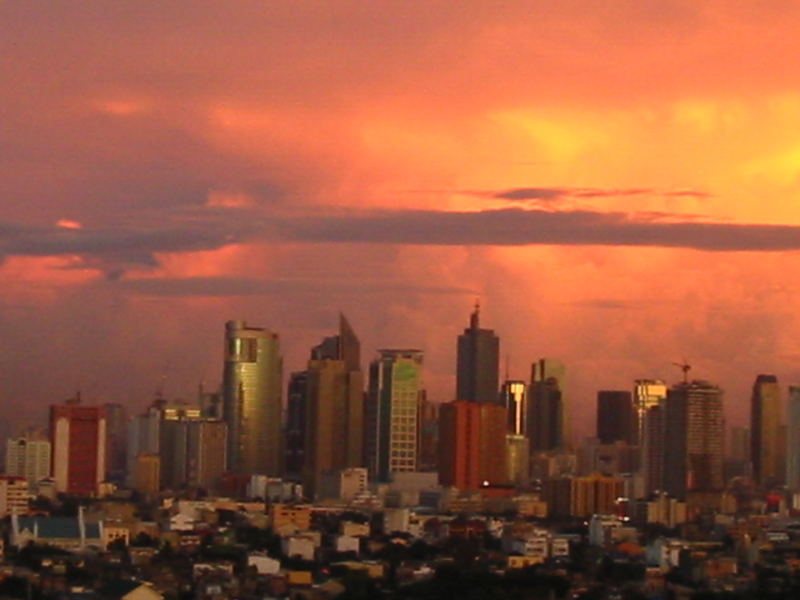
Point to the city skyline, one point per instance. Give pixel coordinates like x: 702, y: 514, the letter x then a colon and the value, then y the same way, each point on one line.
x: 616, y: 184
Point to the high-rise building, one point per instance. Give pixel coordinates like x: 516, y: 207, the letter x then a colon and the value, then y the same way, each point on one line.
x: 646, y: 394
x: 513, y: 395
x: 143, y: 436
x: 616, y: 419
x: 191, y: 448
x: 428, y: 437
x: 335, y: 409
x: 478, y: 363
x: 765, y: 423
x: 395, y: 392
x: 210, y: 403
x: 251, y: 392
x: 653, y: 447
x: 116, y: 441
x: 739, y: 446
x: 518, y: 459
x: 296, y: 408
x: 546, y: 407
x: 147, y: 474
x: 78, y: 440
x: 793, y: 439
x: 472, y: 440
x: 695, y: 436
x: 28, y: 456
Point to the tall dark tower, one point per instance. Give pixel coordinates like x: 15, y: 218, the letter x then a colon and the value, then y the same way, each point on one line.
x: 694, y: 439
x: 547, y: 419
x: 765, y: 423
x: 478, y: 363
x: 334, y: 436
x: 616, y: 419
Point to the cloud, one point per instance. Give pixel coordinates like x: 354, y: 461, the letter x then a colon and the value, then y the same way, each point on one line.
x: 138, y: 244
x: 517, y: 227
x: 242, y: 286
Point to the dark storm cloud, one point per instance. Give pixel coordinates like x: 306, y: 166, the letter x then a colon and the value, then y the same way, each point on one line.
x: 240, y: 286
x: 517, y: 227
x: 530, y: 193
x: 557, y: 193
x: 208, y: 229
x: 190, y: 229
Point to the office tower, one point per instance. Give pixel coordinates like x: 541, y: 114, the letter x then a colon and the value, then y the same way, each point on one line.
x: 143, y: 436
x: 335, y: 411
x: 477, y: 362
x: 653, y: 447
x: 395, y: 392
x: 192, y: 448
x: 793, y: 439
x: 78, y: 440
x: 616, y: 419
x: 765, y: 423
x: 428, y: 437
x: 251, y: 396
x: 472, y: 442
x: 116, y: 441
x: 694, y: 439
x: 28, y: 456
x: 296, y: 407
x: 739, y: 446
x: 147, y: 474
x: 518, y: 459
x: 210, y: 403
x: 546, y: 410
x: 513, y: 395
x: 646, y: 394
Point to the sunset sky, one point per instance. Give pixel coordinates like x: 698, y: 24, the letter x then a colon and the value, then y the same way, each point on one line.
x: 617, y: 182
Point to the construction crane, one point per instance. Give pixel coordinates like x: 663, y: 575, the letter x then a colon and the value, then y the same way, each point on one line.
x: 685, y: 367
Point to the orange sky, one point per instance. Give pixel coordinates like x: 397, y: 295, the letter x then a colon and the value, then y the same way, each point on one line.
x: 604, y: 169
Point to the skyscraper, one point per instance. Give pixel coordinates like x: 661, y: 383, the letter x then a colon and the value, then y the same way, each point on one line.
x: 428, y: 437
x: 192, y: 448
x: 793, y: 439
x: 395, y: 391
x: 765, y: 423
x: 296, y: 407
x: 335, y: 409
x: 472, y: 441
x: 646, y: 394
x: 546, y: 410
x: 653, y: 447
x: 252, y: 407
x: 514, y: 396
x: 117, y: 441
x: 616, y: 419
x: 694, y: 437
x: 78, y: 441
x: 477, y: 362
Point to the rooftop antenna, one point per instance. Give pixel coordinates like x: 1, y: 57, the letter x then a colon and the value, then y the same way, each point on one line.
x: 474, y: 319
x: 685, y: 367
